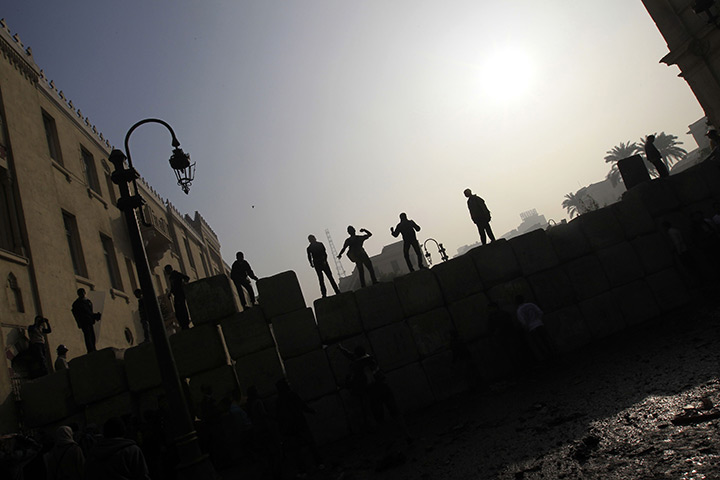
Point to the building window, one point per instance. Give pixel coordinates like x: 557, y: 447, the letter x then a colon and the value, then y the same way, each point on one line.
x: 8, y: 219
x: 73, y: 239
x: 91, y: 177
x: 189, y: 253
x: 52, y: 137
x: 16, y: 292
x: 131, y: 273
x: 111, y: 189
x: 111, y: 262
x: 204, y: 264
x: 4, y: 147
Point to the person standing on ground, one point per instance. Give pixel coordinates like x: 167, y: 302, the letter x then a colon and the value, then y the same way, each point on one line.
x: 66, y: 460
x: 61, y: 362
x: 653, y: 156
x: 82, y: 310
x: 357, y: 254
x: 177, y: 283
x: 241, y: 273
x: 317, y: 256
x: 407, y: 229
x: 116, y: 457
x: 530, y: 317
x: 36, y: 334
x: 480, y: 215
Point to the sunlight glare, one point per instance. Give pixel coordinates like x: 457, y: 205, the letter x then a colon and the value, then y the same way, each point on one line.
x: 507, y: 75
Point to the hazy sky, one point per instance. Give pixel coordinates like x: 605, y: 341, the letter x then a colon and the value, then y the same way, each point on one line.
x: 322, y: 114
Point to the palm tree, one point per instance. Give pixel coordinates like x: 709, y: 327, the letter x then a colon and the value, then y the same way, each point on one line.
x: 573, y: 204
x: 617, y: 153
x: 669, y: 148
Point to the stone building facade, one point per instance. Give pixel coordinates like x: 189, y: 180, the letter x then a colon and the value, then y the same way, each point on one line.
x: 692, y: 32
x: 60, y: 229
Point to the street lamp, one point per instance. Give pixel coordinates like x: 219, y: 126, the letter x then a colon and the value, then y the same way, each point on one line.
x: 193, y: 464
x: 441, y: 251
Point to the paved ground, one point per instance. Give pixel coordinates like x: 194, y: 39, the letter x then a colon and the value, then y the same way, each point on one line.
x: 642, y: 405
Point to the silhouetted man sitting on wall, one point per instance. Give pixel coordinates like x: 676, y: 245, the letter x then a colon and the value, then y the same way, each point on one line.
x: 407, y: 229
x: 357, y: 254
x: 653, y: 156
x: 177, y: 283
x: 480, y: 215
x: 241, y: 273
x: 317, y: 256
x: 82, y: 310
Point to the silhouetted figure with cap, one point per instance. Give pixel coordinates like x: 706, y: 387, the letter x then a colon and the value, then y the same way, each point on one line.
x: 82, y: 310
x: 357, y: 254
x: 480, y: 215
x: 61, y: 362
x: 653, y: 156
x: 177, y: 281
x: 317, y: 256
x: 407, y: 229
x: 241, y: 273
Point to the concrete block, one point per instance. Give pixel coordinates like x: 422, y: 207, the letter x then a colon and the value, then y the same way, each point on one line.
x: 689, y: 186
x: 223, y: 382
x: 280, y: 294
x: 620, y: 263
x: 115, y: 406
x: 246, y: 332
x: 296, y: 333
x: 198, y: 349
x: 261, y: 369
x: 654, y: 252
x: 210, y: 299
x: 657, y: 196
x: 310, y: 375
x: 568, y: 241
x: 432, y: 330
x: 330, y: 422
x: 393, y: 345
x: 495, y: 262
x: 338, y: 317
x: 470, y: 316
x: 534, y: 252
x: 491, y: 361
x: 636, y: 301
x: 669, y: 289
x: 446, y: 378
x: 710, y: 173
x: 633, y: 170
x: 47, y: 399
x: 458, y: 278
x: 601, y: 228
x: 410, y: 386
x: 552, y: 289
x: 633, y: 217
x: 149, y: 400
x: 505, y: 293
x: 418, y: 292
x: 141, y: 367
x: 587, y: 277
x: 567, y: 328
x: 339, y: 363
x: 379, y: 305
x: 97, y: 375
x: 603, y: 315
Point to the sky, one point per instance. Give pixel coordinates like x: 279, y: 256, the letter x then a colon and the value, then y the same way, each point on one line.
x: 311, y: 115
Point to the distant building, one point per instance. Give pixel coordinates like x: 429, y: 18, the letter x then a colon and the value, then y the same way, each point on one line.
x: 390, y: 263
x: 60, y: 229
x: 531, y: 220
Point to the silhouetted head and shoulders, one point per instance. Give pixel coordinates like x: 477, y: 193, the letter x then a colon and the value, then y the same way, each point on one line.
x: 241, y: 269
x: 406, y: 228
x: 651, y: 151
x: 316, y: 249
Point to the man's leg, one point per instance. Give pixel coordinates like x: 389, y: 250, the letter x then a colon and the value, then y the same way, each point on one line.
x: 361, y: 272
x: 328, y: 272
x: 481, y: 230
x: 406, y: 254
x: 241, y: 294
x: 489, y: 232
x: 251, y: 293
x: 370, y: 268
x: 661, y: 169
x: 89, y: 335
x: 416, y: 247
x: 181, y: 313
x: 319, y: 271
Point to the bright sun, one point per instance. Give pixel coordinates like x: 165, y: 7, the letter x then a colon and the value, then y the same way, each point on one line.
x: 507, y: 74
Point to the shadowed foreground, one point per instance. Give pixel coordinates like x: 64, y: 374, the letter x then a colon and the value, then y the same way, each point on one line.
x: 642, y: 405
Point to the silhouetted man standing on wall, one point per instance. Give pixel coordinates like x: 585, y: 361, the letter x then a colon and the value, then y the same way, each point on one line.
x: 407, y: 229
x: 177, y: 281
x: 480, y: 215
x: 241, y: 273
x: 358, y: 255
x: 653, y: 156
x: 317, y: 256
x: 82, y: 310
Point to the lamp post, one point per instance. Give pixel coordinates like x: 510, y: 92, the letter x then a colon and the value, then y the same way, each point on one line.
x: 441, y: 251
x: 193, y: 464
